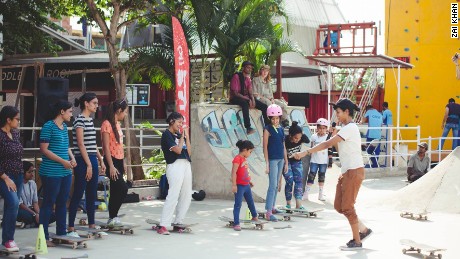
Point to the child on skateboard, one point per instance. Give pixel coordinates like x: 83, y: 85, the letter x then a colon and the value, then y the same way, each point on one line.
x: 241, y: 182
x: 112, y: 146
x: 86, y: 172
x: 293, y: 144
x: 177, y: 151
x: 349, y: 143
x: 275, y: 157
x: 318, y: 161
x: 56, y: 169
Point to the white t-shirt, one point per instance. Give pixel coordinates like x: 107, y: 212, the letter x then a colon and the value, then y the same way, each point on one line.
x: 320, y: 157
x: 350, y: 148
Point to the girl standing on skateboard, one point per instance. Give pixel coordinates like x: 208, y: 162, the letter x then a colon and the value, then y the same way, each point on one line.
x: 294, y: 174
x: 86, y: 172
x: 241, y: 182
x: 319, y: 160
x: 275, y: 157
x: 177, y: 151
x: 112, y: 146
x: 348, y: 140
x: 11, y: 174
x: 56, y: 168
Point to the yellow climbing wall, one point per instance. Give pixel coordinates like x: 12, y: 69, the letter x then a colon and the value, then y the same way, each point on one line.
x: 420, y: 29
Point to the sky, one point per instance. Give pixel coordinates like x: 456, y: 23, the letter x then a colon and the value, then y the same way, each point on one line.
x: 366, y: 11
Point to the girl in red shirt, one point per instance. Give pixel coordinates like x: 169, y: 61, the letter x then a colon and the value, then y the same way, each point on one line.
x: 241, y: 182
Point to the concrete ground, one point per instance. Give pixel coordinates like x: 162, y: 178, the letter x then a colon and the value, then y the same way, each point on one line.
x: 308, y: 238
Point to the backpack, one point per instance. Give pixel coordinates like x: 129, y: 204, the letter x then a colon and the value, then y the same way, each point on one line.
x: 164, y: 187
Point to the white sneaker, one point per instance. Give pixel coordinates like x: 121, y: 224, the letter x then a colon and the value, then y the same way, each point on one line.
x: 117, y: 221
x: 321, y: 196
x: 72, y: 234
x: 305, y: 196
x: 102, y: 233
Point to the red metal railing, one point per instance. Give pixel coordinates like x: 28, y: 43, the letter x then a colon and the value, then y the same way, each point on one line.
x: 367, y: 29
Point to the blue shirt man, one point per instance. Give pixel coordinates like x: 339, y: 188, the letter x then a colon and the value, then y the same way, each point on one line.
x: 375, y: 119
x: 387, y: 115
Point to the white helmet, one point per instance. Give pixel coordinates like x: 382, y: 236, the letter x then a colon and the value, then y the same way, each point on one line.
x: 322, y: 122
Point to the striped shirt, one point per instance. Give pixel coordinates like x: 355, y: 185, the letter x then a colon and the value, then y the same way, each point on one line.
x: 89, y: 135
x: 58, y: 140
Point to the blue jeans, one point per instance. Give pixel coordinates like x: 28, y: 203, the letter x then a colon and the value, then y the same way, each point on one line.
x: 80, y: 185
x: 445, y: 132
x: 10, y: 206
x: 293, y: 175
x: 55, y: 192
x: 274, y: 174
x: 29, y: 219
x: 317, y: 168
x: 374, y: 151
x: 243, y: 191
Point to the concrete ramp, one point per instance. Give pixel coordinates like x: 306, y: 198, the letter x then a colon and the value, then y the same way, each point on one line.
x: 215, y: 130
x: 438, y: 190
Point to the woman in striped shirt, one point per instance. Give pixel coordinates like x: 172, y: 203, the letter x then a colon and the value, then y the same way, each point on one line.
x: 87, y: 156
x: 56, y: 168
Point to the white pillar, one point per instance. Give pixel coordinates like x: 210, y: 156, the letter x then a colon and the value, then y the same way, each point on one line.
x: 398, y: 85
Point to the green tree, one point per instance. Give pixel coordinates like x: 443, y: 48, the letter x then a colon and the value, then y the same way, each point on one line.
x: 20, y: 22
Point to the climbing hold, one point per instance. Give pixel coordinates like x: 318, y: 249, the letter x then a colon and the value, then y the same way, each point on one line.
x: 406, y: 106
x: 407, y: 87
x: 416, y: 39
x: 417, y: 77
x: 406, y: 30
x: 407, y: 11
x: 416, y: 58
x: 406, y: 49
x: 417, y: 96
x: 416, y: 20
x: 416, y: 116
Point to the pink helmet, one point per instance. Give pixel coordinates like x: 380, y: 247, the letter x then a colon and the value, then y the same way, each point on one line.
x: 274, y: 110
x: 322, y: 122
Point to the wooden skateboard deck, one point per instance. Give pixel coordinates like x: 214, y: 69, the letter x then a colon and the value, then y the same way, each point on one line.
x: 418, y: 247
x: 308, y: 213
x: 22, y: 253
x: 246, y: 224
x: 90, y: 232
x: 76, y: 257
x: 420, y: 215
x: 124, y: 229
x: 73, y: 241
x: 179, y: 228
x: 346, y: 248
x: 285, y: 216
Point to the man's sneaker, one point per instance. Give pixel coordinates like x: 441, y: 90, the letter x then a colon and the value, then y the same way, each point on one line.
x: 162, y: 231
x: 250, y: 130
x: 117, y: 221
x: 363, y: 236
x: 72, y: 234
x: 301, y: 208
x: 11, y: 246
x: 288, y: 206
x: 352, y: 245
x: 321, y: 196
x: 111, y: 223
x: 237, y: 228
x: 255, y: 219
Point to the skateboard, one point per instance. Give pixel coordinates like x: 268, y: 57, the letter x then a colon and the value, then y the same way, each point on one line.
x: 76, y: 257
x: 90, y: 232
x: 286, y: 217
x: 83, y: 220
x: 179, y: 228
x: 308, y: 213
x: 124, y: 229
x: 418, y: 247
x: 415, y: 214
x: 23, y: 254
x: 247, y: 224
x: 74, y: 241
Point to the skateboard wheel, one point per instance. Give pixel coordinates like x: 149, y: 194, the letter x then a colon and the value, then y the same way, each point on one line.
x: 33, y: 257
x: 402, y: 215
x: 85, y: 245
x: 122, y: 232
x: 180, y: 231
x: 21, y: 257
x: 419, y: 251
x: 74, y: 246
x: 426, y: 218
x: 99, y: 235
x: 131, y: 231
x: 188, y: 230
x: 404, y: 250
x: 439, y: 256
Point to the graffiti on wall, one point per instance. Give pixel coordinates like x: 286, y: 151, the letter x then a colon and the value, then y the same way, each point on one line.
x: 224, y: 127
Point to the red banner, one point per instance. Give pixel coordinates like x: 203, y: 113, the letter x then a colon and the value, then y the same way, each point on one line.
x: 182, y: 70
